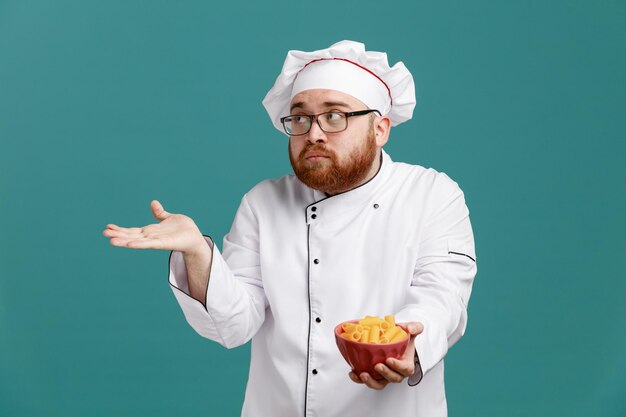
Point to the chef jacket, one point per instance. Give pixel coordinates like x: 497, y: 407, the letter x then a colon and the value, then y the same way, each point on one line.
x: 297, y: 262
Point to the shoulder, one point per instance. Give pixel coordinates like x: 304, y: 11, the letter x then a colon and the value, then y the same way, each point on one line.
x: 425, y: 179
x: 276, y: 191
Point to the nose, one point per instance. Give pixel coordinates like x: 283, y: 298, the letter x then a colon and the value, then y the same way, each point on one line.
x: 316, y: 134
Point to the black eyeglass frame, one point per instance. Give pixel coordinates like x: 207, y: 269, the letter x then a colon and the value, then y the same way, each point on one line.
x: 315, y: 117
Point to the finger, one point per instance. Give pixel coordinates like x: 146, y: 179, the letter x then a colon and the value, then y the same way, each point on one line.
x: 122, y: 234
x: 135, y: 232
x: 123, y: 229
x: 145, y: 243
x: 402, y: 367
x: 158, y: 211
x: 116, y: 241
x: 354, y: 377
x: 121, y: 242
x: 389, y: 374
x: 415, y: 328
x: 372, y: 383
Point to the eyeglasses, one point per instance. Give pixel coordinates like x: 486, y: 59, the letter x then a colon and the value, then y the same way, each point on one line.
x: 329, y: 122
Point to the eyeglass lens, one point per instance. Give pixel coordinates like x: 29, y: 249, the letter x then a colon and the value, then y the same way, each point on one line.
x: 329, y: 122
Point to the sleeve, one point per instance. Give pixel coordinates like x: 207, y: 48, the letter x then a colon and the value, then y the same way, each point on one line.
x: 235, y: 299
x: 442, y: 278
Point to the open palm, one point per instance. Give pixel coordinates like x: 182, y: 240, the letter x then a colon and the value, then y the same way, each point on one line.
x: 173, y: 232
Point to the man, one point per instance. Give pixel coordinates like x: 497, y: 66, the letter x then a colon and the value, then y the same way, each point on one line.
x: 351, y: 234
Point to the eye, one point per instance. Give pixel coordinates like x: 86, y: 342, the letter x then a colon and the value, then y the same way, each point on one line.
x: 335, y: 119
x: 334, y: 116
x: 299, y: 120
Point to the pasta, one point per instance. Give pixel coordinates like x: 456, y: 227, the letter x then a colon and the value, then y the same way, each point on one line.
x: 374, y: 330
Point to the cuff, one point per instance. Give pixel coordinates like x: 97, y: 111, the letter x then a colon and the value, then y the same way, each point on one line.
x: 432, y: 343
x: 178, y: 272
x: 417, y: 376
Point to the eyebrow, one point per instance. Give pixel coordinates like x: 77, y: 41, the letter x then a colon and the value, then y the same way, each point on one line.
x: 300, y: 104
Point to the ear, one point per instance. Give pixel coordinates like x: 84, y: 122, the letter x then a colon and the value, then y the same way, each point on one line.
x: 382, y: 126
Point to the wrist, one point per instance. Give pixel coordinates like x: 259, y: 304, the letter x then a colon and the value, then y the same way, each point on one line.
x: 199, y: 249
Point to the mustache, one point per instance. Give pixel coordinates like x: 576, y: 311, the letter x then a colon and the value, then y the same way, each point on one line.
x: 317, y: 149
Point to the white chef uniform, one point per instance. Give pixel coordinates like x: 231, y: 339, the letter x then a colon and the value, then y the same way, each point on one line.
x: 296, y: 263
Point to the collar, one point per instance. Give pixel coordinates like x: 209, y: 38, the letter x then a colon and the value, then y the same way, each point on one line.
x: 326, y: 208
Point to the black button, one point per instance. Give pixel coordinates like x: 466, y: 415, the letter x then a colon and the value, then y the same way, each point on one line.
x: 316, y: 261
x: 376, y: 206
x: 314, y: 371
x: 318, y: 320
x: 313, y: 208
x: 313, y: 216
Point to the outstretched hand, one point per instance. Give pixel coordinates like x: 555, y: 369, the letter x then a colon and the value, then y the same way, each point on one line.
x: 173, y: 232
x: 393, y: 370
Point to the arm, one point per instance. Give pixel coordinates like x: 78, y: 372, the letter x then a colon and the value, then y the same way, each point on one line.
x: 442, y: 279
x: 198, y: 264
x: 228, y: 308
x: 235, y: 302
x: 435, y: 311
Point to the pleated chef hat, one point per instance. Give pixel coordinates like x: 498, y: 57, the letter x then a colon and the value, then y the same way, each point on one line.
x: 347, y: 67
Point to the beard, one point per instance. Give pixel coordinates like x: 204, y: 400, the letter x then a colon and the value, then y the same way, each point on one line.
x: 330, y: 175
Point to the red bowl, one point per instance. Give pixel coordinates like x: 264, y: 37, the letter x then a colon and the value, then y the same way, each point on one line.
x: 362, y: 357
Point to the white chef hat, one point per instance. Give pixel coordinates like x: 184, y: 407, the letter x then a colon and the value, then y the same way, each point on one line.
x: 347, y: 67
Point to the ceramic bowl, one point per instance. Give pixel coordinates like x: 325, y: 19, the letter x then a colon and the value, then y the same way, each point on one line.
x: 362, y: 357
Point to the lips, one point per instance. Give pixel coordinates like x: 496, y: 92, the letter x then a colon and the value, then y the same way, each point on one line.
x: 315, y: 155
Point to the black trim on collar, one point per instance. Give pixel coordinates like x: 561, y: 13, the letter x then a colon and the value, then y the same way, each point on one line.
x: 380, y: 166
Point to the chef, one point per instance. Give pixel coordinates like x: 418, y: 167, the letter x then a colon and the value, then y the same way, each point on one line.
x: 352, y: 233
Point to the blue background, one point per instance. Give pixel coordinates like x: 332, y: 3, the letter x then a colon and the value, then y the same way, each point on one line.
x: 105, y: 106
